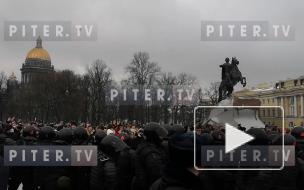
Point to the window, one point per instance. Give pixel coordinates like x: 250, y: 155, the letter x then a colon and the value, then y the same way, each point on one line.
x: 295, y: 82
x: 266, y: 113
x: 292, y: 108
x: 292, y: 100
x: 291, y: 124
x: 277, y: 86
x: 302, y: 81
x: 279, y: 101
x: 282, y: 84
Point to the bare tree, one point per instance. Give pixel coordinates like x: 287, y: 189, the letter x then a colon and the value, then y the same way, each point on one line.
x: 186, y: 79
x: 166, y: 79
x: 2, y: 85
x: 100, y: 77
x: 3, y: 80
x: 179, y: 111
x: 66, y: 95
x: 142, y: 73
x: 141, y: 70
x: 212, y: 92
x: 50, y: 97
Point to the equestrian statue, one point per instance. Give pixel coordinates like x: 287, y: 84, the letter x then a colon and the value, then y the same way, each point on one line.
x: 231, y: 75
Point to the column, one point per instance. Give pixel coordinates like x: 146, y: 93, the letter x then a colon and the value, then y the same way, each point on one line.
x: 282, y: 104
x: 276, y: 114
x: 301, y: 105
x: 295, y: 106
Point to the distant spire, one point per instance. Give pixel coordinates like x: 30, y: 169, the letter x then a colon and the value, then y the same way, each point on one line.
x: 38, y: 42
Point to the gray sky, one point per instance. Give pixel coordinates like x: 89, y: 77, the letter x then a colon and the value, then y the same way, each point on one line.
x: 168, y: 29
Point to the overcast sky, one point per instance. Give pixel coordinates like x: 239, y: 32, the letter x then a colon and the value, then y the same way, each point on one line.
x: 168, y: 29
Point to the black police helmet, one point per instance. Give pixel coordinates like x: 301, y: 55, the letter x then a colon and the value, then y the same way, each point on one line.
x: 114, y: 143
x: 176, y: 129
x: 99, y: 135
x: 181, y: 148
x: 80, y: 133
x: 47, y: 133
x: 154, y: 132
x: 288, y: 140
x: 298, y: 133
x: 66, y: 134
x: 260, y: 137
x: 29, y: 131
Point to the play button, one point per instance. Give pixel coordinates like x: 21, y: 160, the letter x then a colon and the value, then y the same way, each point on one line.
x: 234, y: 148
x: 235, y: 138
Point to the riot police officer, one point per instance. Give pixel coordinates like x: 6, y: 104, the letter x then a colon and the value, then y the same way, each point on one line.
x: 150, y: 157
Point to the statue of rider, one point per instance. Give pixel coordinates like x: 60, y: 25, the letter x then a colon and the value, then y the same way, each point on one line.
x: 231, y: 75
x: 226, y: 68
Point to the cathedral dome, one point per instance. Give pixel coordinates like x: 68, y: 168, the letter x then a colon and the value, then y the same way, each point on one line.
x: 37, y: 64
x: 38, y: 53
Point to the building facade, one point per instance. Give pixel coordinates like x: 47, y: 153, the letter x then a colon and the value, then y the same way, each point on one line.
x: 289, y: 94
x: 37, y: 63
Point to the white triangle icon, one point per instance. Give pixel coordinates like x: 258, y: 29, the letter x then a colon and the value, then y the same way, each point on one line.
x: 235, y: 138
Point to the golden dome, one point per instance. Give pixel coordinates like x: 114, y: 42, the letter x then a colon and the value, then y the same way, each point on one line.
x: 38, y: 52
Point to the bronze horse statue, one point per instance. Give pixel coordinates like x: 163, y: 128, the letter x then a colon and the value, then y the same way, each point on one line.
x: 232, y: 76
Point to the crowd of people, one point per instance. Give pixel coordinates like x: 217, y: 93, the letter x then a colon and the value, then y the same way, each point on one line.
x: 132, y: 156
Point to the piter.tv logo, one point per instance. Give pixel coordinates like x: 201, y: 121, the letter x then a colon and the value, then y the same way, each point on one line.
x: 240, y: 150
x: 50, y: 155
x: 50, y: 31
x: 246, y: 31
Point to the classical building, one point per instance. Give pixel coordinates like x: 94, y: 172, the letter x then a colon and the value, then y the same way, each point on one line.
x: 288, y: 93
x: 37, y: 63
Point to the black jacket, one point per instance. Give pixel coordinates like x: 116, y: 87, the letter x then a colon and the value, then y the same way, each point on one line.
x: 103, y: 176
x: 175, y: 178
x: 4, y: 171
x: 149, y: 162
